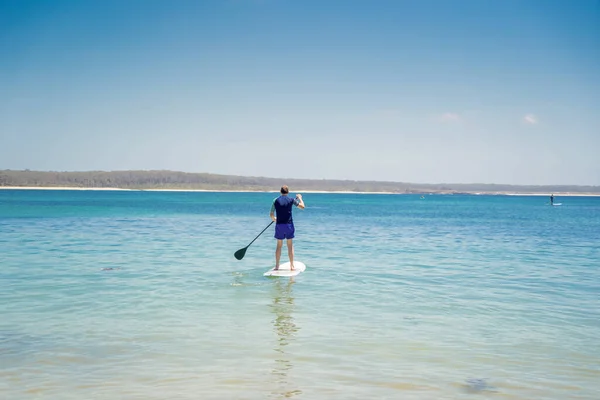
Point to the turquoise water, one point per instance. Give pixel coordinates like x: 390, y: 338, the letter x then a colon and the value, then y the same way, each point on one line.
x: 137, y: 295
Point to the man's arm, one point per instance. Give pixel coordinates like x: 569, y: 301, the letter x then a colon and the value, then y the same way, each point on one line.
x: 300, y: 201
x: 273, y: 212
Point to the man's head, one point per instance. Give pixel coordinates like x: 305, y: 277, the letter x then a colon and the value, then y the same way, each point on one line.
x: 284, y: 189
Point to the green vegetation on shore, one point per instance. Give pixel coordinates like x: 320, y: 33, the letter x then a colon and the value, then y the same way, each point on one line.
x: 205, y: 181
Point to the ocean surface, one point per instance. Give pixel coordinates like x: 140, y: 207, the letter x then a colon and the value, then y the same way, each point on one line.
x: 137, y: 295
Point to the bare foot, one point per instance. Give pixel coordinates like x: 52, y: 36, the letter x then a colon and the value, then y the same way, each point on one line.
x: 292, y: 268
x: 277, y: 268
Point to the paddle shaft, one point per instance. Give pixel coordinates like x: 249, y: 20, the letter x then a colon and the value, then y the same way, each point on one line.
x: 260, y: 234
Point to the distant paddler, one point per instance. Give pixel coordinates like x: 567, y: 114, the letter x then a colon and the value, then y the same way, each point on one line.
x: 552, y: 199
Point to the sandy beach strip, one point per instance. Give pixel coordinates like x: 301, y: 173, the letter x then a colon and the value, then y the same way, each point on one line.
x: 556, y: 194
x: 182, y: 190
x: 60, y: 188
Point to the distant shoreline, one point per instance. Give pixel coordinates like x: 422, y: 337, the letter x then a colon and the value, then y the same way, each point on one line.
x: 100, y: 189
x: 177, y: 181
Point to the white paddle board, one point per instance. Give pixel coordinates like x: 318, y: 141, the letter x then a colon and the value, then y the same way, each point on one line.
x: 284, y: 269
x: 557, y: 204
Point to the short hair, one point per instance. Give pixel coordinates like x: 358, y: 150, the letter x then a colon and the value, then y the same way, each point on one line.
x: 284, y: 189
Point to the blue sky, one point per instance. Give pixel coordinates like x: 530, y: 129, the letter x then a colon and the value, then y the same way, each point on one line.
x: 424, y: 91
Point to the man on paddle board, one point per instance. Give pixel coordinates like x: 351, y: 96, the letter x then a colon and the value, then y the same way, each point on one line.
x: 281, y: 214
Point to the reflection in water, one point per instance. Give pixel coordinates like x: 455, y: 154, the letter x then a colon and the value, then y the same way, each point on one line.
x: 286, y: 328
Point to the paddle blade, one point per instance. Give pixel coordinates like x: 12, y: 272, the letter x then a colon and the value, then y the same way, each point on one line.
x: 240, y: 253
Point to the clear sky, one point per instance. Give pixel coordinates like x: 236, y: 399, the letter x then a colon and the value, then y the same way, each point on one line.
x: 429, y: 91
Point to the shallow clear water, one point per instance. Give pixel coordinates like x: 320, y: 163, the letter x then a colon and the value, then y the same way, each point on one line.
x: 137, y: 295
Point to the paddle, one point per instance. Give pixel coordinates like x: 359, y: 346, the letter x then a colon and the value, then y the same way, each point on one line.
x: 242, y: 252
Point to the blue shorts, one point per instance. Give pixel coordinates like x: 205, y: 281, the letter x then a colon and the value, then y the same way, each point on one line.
x: 284, y: 231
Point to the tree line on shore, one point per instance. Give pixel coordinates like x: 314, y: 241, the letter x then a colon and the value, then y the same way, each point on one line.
x: 204, y: 181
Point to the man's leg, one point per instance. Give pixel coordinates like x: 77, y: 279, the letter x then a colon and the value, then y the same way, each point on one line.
x: 290, y: 246
x: 278, y: 253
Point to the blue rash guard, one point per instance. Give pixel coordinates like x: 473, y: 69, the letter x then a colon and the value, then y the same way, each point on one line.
x: 282, y: 207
